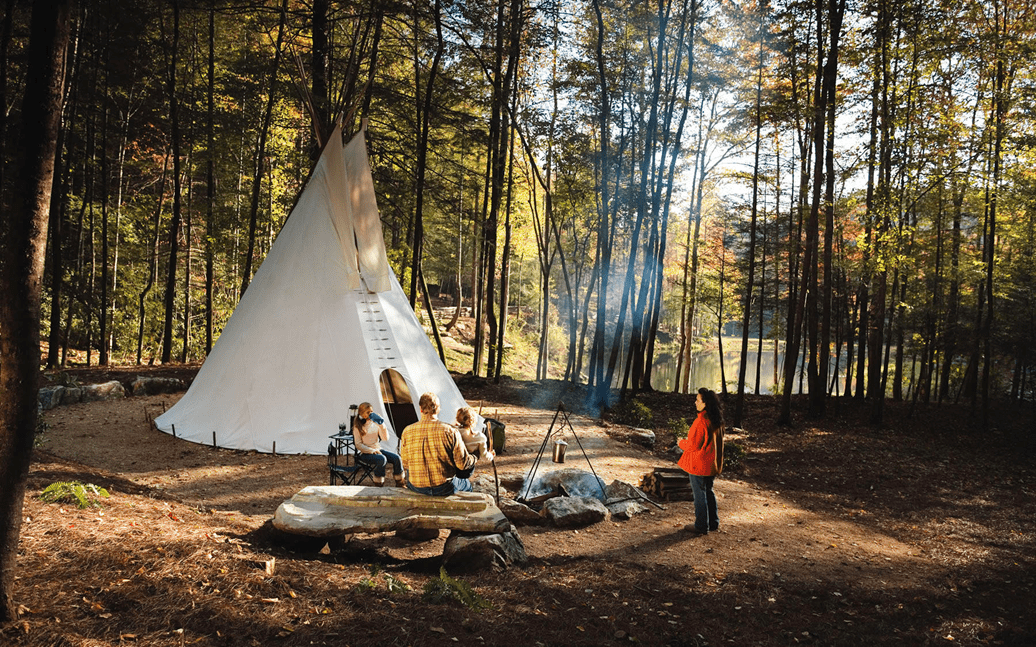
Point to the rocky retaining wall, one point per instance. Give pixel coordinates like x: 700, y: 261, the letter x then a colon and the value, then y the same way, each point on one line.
x: 53, y: 396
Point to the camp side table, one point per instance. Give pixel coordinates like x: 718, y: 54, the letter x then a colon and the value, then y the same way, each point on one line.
x: 344, y: 443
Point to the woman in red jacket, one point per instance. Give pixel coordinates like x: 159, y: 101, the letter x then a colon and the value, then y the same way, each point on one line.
x: 702, y: 459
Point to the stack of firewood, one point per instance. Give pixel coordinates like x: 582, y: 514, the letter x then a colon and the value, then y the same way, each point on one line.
x: 669, y: 483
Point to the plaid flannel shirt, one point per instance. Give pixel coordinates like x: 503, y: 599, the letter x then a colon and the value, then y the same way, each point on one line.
x: 432, y: 452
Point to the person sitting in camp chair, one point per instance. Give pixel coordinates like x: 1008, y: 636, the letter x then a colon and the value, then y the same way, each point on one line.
x: 434, y: 452
x: 368, y: 432
x: 475, y: 442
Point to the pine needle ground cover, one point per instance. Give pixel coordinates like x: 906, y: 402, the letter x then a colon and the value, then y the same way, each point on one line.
x: 833, y: 533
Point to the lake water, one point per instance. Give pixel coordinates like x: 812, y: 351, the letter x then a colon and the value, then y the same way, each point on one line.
x: 705, y: 369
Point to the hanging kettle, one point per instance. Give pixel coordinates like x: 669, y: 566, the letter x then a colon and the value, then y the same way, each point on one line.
x: 559, y: 451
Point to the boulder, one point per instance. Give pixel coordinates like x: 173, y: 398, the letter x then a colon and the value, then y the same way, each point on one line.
x: 574, y: 511
x: 519, y: 513
x: 107, y: 391
x: 624, y: 500
x: 418, y: 534
x: 335, y: 510
x: 468, y: 552
x: 156, y: 385
x: 71, y: 395
x: 49, y: 397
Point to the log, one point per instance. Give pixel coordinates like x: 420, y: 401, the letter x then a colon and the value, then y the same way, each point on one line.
x: 669, y: 483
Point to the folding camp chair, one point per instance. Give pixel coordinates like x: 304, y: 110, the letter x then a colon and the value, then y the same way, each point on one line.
x: 341, y: 459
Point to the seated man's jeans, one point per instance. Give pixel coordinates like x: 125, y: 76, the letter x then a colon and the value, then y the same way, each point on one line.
x: 446, y: 489
x: 378, y: 462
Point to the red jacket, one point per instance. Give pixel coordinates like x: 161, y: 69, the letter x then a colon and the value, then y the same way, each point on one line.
x: 702, y: 451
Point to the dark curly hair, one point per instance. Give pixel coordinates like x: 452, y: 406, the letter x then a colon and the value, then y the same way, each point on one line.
x: 713, y: 410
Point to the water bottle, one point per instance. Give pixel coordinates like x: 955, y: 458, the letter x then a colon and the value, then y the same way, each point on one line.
x: 376, y: 418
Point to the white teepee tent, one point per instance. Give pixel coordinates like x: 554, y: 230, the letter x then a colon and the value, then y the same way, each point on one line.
x: 323, y: 325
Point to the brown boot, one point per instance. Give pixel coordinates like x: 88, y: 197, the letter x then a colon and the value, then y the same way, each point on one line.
x: 379, y: 482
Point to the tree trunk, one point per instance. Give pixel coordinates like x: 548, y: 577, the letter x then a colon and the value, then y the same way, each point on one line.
x: 603, y: 240
x: 152, y: 262
x: 424, y: 124
x: 719, y: 315
x: 739, y: 403
x: 836, y: 13
x: 320, y: 62
x: 505, y: 257
x: 798, y: 256
x: 188, y: 255
x: 260, y: 152
x: 174, y: 225
x: 210, y: 179
x: 23, y: 236
x: 102, y: 310
x: 687, y: 28
x: 58, y: 209
x: 999, y: 113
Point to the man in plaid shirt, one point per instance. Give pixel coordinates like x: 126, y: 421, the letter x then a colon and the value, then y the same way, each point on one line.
x: 433, y: 452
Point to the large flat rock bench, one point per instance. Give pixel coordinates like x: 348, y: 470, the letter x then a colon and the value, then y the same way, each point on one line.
x: 329, y: 511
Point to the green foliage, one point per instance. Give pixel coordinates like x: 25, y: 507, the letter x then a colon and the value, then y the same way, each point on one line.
x: 634, y: 413
x: 73, y: 492
x: 369, y: 583
x: 395, y: 585
x: 42, y: 427
x: 733, y: 455
x: 445, y: 589
x: 67, y: 379
x: 679, y: 427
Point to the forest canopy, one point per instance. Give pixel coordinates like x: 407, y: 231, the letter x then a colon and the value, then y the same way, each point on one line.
x: 610, y: 182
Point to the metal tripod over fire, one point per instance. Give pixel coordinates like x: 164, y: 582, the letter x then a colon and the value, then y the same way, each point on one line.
x: 557, y: 430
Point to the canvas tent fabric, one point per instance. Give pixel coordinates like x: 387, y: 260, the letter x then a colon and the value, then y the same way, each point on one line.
x: 323, y: 325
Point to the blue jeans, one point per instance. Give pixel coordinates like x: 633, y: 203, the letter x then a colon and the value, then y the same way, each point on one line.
x: 378, y: 462
x: 446, y: 489
x: 706, y: 517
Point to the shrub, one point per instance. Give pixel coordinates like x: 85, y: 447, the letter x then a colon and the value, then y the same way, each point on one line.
x: 733, y: 454
x: 634, y: 413
x: 679, y: 427
x: 73, y: 492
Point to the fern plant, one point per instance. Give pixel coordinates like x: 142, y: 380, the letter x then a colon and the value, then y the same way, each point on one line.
x: 445, y: 589
x: 82, y: 495
x: 368, y: 583
x: 394, y: 584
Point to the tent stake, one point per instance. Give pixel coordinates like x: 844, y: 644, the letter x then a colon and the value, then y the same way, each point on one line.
x: 174, y: 431
x: 275, y: 448
x: 214, y: 439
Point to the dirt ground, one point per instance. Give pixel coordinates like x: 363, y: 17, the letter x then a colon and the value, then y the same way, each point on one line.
x: 832, y: 533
